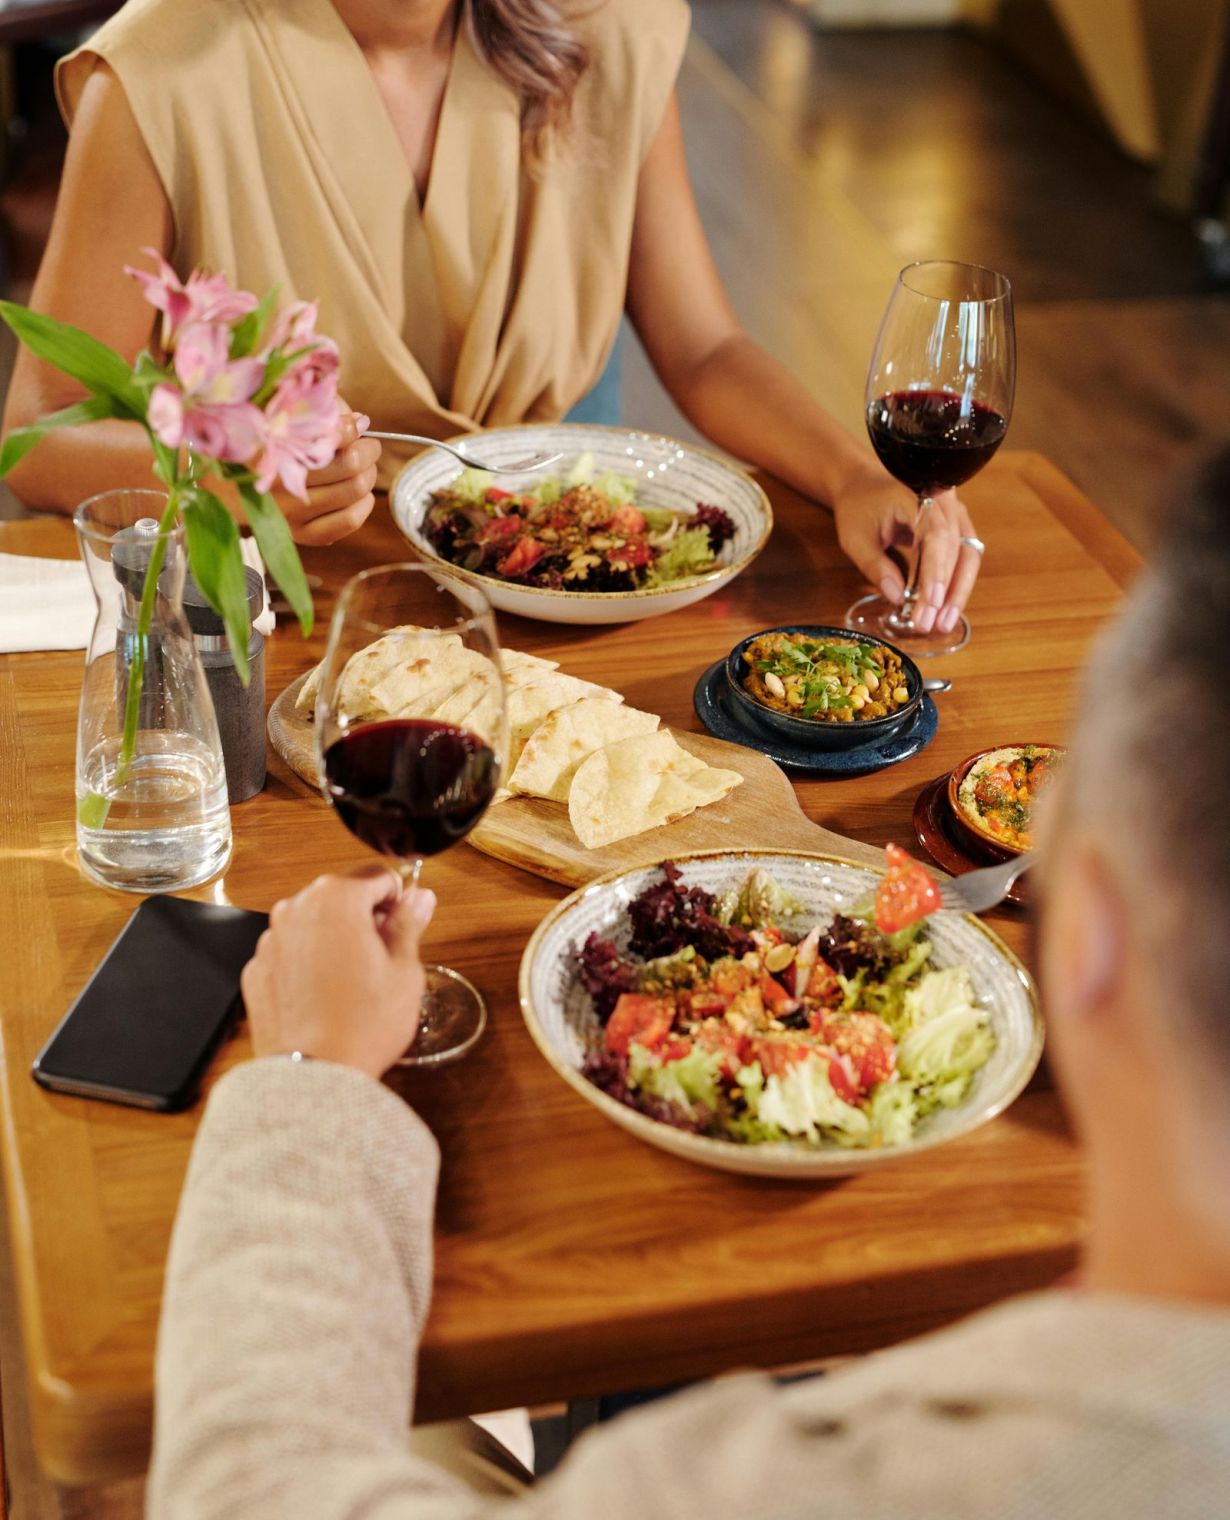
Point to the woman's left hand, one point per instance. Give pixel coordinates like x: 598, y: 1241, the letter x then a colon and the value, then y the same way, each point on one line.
x: 874, y: 514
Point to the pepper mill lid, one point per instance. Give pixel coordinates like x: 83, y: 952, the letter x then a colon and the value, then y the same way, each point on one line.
x: 130, y: 555
x: 202, y: 618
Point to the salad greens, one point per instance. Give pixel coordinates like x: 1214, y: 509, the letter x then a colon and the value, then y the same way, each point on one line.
x: 582, y: 531
x: 721, y: 1019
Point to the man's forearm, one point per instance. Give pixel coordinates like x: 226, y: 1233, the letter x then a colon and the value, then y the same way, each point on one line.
x: 297, y: 1284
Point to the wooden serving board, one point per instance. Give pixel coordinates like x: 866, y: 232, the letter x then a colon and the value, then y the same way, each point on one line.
x: 537, y: 837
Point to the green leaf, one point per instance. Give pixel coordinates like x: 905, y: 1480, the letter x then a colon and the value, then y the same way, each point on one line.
x: 21, y: 440
x: 278, y: 551
x: 76, y: 353
x: 147, y: 372
x: 246, y: 334
x: 217, y: 567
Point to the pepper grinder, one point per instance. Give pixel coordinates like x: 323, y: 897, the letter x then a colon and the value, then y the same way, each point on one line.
x: 240, y: 709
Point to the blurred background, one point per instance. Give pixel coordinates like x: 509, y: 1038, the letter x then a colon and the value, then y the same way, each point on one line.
x: 1080, y: 146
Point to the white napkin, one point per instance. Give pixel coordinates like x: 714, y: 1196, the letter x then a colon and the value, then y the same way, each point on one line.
x: 48, y: 604
x: 44, y: 604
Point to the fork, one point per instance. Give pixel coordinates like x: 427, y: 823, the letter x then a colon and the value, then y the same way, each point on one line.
x: 979, y: 890
x: 513, y: 466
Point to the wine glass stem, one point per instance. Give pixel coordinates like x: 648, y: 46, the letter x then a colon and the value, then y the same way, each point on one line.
x: 409, y: 871
x: 920, y: 527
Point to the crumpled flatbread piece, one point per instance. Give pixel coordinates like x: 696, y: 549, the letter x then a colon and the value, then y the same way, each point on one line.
x: 641, y: 783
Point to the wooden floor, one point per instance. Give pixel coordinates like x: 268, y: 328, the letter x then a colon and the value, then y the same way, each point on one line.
x: 825, y: 161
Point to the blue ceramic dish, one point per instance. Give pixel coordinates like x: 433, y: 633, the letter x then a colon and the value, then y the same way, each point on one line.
x: 714, y: 707
x: 812, y: 733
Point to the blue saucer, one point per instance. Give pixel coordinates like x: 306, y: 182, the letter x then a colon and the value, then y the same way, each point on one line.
x: 711, y: 701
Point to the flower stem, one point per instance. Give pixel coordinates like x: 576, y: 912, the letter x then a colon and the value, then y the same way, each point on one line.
x: 145, y: 616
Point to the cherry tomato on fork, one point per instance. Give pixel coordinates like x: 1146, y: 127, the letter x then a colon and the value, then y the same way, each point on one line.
x: 907, y: 893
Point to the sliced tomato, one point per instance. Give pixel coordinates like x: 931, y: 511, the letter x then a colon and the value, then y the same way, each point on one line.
x: 524, y: 555
x: 841, y: 1077
x: 706, y: 1001
x: 634, y: 555
x: 497, y: 529
x: 716, y: 1034
x: 867, y: 1043
x: 906, y: 894
x: 674, y: 1048
x: 640, y: 1018
x: 626, y: 519
x: 493, y: 493
x: 776, y: 999
x: 822, y: 984
x: 776, y: 1057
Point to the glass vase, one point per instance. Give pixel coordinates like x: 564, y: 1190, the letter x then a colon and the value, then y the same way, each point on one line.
x: 152, y: 810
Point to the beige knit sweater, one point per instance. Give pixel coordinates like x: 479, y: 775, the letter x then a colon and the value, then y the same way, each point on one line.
x: 300, y: 1273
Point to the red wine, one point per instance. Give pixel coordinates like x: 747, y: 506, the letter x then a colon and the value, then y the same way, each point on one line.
x: 932, y: 440
x: 410, y: 786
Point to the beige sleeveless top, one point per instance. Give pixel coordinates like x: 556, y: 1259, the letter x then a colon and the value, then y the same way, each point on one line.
x: 497, y: 299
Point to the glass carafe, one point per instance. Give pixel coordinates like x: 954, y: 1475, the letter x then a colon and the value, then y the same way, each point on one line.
x: 152, y: 810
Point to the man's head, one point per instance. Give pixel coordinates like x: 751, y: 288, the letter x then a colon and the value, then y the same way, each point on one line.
x: 1136, y: 925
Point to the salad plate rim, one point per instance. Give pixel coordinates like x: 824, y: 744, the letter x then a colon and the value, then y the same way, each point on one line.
x: 642, y: 593
x: 779, y: 1156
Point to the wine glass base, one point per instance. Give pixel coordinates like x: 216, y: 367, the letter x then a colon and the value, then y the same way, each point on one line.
x: 877, y: 616
x: 452, y: 1018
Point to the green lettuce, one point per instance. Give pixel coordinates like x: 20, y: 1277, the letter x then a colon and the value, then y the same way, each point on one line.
x: 688, y: 553
x: 891, y: 1111
x: 802, y: 1102
x: 691, y: 1079
x: 949, y: 1039
x: 758, y: 901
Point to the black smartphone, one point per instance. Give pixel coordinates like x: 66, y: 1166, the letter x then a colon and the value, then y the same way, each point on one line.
x: 151, y: 1017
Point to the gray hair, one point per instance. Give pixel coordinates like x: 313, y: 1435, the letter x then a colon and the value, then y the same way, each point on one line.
x: 1151, y: 759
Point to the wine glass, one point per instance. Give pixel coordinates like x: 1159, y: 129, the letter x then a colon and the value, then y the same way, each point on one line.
x: 410, y: 739
x: 938, y: 400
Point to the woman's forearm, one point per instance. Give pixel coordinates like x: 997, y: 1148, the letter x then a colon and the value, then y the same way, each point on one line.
x: 66, y: 467
x: 752, y: 406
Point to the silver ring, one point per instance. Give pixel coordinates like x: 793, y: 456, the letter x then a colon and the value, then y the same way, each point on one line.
x: 976, y: 544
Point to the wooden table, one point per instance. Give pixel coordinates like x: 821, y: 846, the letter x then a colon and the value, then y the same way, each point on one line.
x: 571, y: 1259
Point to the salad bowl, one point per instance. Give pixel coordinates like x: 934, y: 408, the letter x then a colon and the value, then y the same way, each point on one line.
x: 559, y: 1013
x: 663, y: 474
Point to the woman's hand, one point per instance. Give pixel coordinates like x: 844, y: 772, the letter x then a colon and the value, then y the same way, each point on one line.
x: 339, y: 495
x: 337, y: 974
x: 874, y: 514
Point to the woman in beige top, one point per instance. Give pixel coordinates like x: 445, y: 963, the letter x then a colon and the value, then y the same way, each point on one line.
x: 474, y: 190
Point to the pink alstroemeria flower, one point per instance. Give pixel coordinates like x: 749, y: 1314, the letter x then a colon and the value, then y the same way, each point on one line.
x: 213, y: 413
x: 303, y: 427
x: 201, y: 298
x: 294, y: 331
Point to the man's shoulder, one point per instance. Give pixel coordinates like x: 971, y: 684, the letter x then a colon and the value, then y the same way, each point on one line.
x: 1054, y: 1404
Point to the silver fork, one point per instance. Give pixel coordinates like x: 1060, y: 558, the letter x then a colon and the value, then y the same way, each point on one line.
x: 513, y: 467
x: 979, y: 890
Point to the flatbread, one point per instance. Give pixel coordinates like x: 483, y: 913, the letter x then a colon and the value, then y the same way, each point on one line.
x: 531, y: 705
x: 520, y: 667
x: 367, y: 668
x: 640, y: 783
x: 420, y: 669
x: 558, y: 745
x: 474, y: 705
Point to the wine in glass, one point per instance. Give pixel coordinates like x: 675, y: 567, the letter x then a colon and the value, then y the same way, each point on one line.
x: 938, y: 400
x: 405, y: 641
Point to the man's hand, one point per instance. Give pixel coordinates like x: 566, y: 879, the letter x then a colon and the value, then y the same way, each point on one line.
x: 340, y: 495
x: 337, y: 974
x: 874, y: 514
